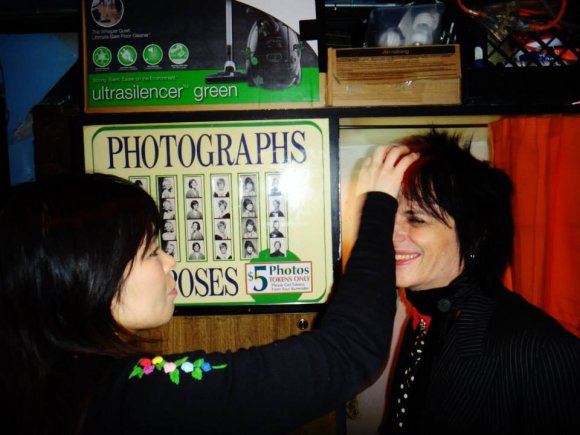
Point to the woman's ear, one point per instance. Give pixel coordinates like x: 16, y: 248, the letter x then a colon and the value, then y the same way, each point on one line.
x: 472, y: 251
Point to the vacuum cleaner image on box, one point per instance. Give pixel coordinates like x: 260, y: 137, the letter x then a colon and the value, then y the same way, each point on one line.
x: 273, y: 53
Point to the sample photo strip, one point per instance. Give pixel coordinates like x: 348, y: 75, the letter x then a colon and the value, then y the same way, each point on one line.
x: 278, y: 248
x: 196, y: 230
x: 193, y: 187
x: 170, y: 247
x: 249, y: 215
x: 248, y: 185
x: 277, y: 228
x: 223, y: 250
x: 196, y: 251
x: 195, y: 217
x: 277, y: 237
x: 248, y: 207
x: 168, y: 208
x: 168, y: 230
x: 142, y: 182
x: 249, y: 249
x: 222, y: 230
x: 220, y: 185
x: 194, y: 209
x: 277, y: 207
x: 166, y: 187
x: 250, y: 228
x: 277, y: 216
x: 274, y: 188
x: 221, y: 208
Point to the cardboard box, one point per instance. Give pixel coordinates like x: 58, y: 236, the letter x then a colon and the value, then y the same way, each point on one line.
x: 394, y: 76
x: 183, y: 55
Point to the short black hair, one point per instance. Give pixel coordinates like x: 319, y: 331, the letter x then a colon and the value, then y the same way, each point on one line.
x: 448, y: 180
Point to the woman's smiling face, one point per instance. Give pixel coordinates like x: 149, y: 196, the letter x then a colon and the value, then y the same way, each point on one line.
x: 426, y: 249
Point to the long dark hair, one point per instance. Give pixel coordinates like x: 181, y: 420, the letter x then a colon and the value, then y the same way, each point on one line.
x: 447, y: 180
x: 66, y: 243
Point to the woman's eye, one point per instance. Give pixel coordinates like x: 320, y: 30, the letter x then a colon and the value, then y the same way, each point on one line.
x: 154, y: 252
x: 416, y: 220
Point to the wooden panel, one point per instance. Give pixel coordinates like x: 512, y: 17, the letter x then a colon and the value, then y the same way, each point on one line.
x: 222, y: 333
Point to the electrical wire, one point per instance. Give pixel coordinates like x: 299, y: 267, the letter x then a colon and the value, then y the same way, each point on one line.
x: 526, y: 11
x: 469, y: 11
x: 554, y: 22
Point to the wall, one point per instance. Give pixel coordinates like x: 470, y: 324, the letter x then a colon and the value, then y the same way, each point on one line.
x: 32, y: 64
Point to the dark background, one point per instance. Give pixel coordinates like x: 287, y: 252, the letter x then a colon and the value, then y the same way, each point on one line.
x: 489, y: 87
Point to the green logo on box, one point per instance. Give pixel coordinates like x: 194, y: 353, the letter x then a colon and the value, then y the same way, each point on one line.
x: 152, y: 54
x: 102, y: 57
x: 178, y: 53
x: 127, y: 55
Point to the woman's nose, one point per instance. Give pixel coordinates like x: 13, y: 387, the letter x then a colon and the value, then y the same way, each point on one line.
x: 399, y: 232
x: 168, y: 261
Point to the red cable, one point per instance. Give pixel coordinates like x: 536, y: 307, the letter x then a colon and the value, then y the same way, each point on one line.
x: 535, y: 27
x: 470, y: 11
x: 556, y: 20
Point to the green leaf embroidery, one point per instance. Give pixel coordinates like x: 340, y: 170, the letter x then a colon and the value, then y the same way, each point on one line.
x: 181, y: 361
x: 137, y: 371
x: 174, y: 376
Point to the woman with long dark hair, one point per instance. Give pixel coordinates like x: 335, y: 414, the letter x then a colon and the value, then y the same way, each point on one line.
x: 81, y: 274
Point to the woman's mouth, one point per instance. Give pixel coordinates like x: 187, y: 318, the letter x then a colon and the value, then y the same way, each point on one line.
x: 404, y: 258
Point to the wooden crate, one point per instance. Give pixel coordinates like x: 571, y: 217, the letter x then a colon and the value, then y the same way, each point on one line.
x: 429, y: 74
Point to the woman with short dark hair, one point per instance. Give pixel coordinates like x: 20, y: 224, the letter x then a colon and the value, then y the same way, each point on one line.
x: 475, y: 357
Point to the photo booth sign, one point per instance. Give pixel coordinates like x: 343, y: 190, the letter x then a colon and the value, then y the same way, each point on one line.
x: 246, y: 205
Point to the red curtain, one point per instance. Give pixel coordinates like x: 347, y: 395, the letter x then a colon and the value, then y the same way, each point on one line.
x: 542, y: 155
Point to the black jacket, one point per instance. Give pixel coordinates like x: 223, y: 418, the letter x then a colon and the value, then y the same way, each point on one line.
x: 504, y: 367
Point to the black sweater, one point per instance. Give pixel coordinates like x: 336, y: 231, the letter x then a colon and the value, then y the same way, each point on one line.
x: 275, y: 388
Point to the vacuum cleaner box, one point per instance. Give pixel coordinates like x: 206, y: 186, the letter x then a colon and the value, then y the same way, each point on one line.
x: 407, y: 75
x: 183, y: 55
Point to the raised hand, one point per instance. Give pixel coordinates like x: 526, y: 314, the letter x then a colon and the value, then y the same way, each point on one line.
x: 384, y: 171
